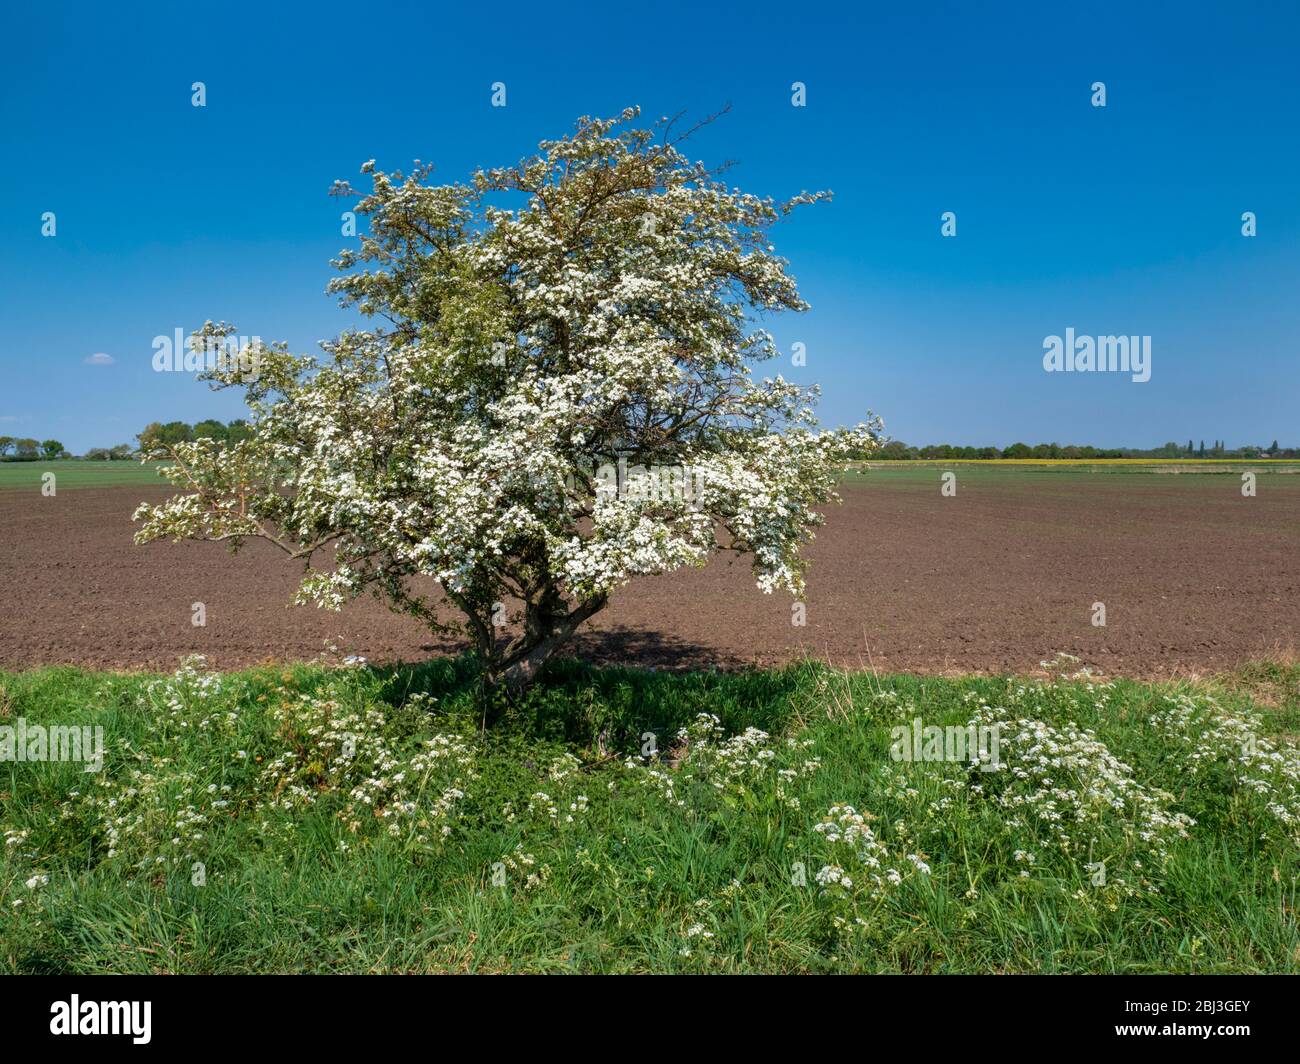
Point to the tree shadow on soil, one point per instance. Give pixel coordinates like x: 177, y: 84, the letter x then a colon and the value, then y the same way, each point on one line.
x: 621, y: 687
x: 622, y: 647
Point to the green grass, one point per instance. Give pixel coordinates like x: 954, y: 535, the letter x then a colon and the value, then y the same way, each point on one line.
x: 1166, y: 466
x: 77, y: 473
x: 700, y: 859
x: 1016, y: 475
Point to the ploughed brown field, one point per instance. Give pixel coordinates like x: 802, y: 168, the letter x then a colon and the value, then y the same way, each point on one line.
x: 1194, y: 577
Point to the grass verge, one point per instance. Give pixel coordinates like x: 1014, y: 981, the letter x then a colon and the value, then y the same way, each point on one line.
x: 359, y: 819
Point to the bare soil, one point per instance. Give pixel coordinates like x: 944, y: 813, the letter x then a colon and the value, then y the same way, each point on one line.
x: 1194, y: 579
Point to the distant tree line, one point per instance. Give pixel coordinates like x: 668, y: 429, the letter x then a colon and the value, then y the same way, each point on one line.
x: 156, y: 434
x: 897, y: 450
x: 123, y: 452
x: 23, y: 449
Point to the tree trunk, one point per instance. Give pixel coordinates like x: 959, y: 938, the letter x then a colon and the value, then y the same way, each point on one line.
x: 548, y: 625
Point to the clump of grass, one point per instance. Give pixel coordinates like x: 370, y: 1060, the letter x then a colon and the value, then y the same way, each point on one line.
x: 1272, y: 686
x: 362, y: 819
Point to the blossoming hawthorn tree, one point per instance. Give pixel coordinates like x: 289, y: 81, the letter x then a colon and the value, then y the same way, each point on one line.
x: 608, y: 316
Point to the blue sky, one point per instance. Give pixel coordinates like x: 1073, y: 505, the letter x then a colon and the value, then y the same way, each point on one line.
x: 1117, y: 220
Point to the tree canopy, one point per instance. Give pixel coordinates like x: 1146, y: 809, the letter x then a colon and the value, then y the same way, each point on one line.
x: 558, y: 397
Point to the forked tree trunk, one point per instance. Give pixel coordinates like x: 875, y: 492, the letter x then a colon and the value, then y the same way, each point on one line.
x: 548, y: 625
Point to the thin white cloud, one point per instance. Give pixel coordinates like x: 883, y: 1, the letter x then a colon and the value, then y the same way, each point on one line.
x: 99, y: 359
